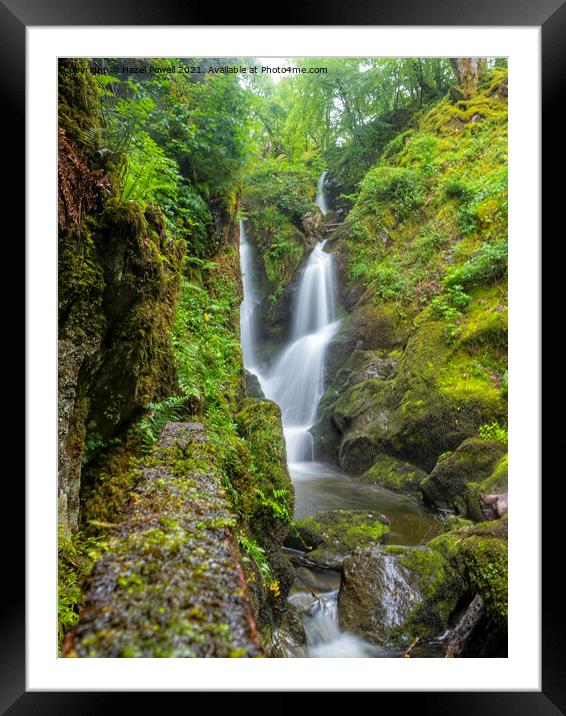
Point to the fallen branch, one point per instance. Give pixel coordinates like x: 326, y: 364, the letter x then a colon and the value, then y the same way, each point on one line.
x: 463, y: 630
x: 409, y: 649
x: 312, y: 592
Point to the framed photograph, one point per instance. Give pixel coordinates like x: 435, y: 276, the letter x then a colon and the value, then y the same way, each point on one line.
x: 274, y: 410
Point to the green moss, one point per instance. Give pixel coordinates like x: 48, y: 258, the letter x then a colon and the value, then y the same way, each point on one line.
x: 78, y: 107
x: 453, y: 482
x: 394, y: 474
x: 341, y: 531
x: 172, y: 549
x: 440, y: 586
x: 437, y: 199
x: 453, y: 566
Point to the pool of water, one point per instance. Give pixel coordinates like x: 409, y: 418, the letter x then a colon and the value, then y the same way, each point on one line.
x: 320, y: 487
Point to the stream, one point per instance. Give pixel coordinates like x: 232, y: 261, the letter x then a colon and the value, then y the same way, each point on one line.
x: 295, y: 381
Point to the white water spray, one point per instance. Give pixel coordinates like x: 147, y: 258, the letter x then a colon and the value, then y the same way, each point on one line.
x: 296, y: 381
x: 320, y: 200
x: 248, y: 320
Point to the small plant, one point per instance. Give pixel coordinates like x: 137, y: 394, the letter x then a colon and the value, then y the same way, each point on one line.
x: 449, y: 305
x: 74, y: 564
x: 493, y: 431
x: 255, y: 553
x: 152, y: 424
x: 277, y: 503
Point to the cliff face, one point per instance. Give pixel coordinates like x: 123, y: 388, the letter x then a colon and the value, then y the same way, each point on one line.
x: 118, y: 285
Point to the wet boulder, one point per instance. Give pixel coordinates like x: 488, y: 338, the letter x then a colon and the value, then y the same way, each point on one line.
x: 377, y: 596
x: 391, y: 595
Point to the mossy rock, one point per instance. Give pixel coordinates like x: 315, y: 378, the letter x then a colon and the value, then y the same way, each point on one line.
x: 450, y: 483
x: 367, y: 327
x: 330, y: 536
x: 253, y: 387
x: 479, y: 554
x: 167, y: 580
x: 390, y: 595
x: 394, y: 474
x: 267, y: 500
x: 430, y: 405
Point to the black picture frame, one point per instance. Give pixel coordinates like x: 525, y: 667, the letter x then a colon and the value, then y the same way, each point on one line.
x: 550, y: 15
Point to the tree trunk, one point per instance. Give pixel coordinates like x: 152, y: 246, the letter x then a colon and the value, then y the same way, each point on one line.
x: 468, y: 71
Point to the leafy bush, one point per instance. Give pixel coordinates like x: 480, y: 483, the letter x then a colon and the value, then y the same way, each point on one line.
x: 396, y: 185
x: 284, y: 189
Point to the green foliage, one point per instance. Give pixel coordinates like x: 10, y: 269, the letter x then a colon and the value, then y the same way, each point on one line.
x: 488, y: 264
x: 168, y: 410
x: 178, y: 143
x: 286, y: 186
x: 74, y: 564
x: 493, y: 431
x: 449, y: 306
x: 278, y: 502
x: 253, y: 551
x: 432, y: 215
x: 399, y: 187
x: 278, y: 195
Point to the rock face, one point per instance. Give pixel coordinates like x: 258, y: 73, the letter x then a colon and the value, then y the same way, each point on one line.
x: 169, y: 583
x: 118, y: 282
x: 330, y: 536
x: 457, y: 480
x: 114, y: 333
x: 404, y: 391
x: 267, y: 501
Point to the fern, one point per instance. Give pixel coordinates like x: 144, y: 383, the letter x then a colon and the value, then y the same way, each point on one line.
x: 167, y: 410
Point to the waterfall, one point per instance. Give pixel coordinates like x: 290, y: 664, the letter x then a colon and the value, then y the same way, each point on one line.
x: 248, y: 331
x: 296, y: 381
x: 320, y: 200
x: 324, y: 638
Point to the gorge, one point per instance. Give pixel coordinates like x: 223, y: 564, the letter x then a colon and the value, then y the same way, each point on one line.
x: 283, y: 363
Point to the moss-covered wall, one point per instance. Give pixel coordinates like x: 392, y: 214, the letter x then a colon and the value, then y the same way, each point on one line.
x: 118, y: 286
